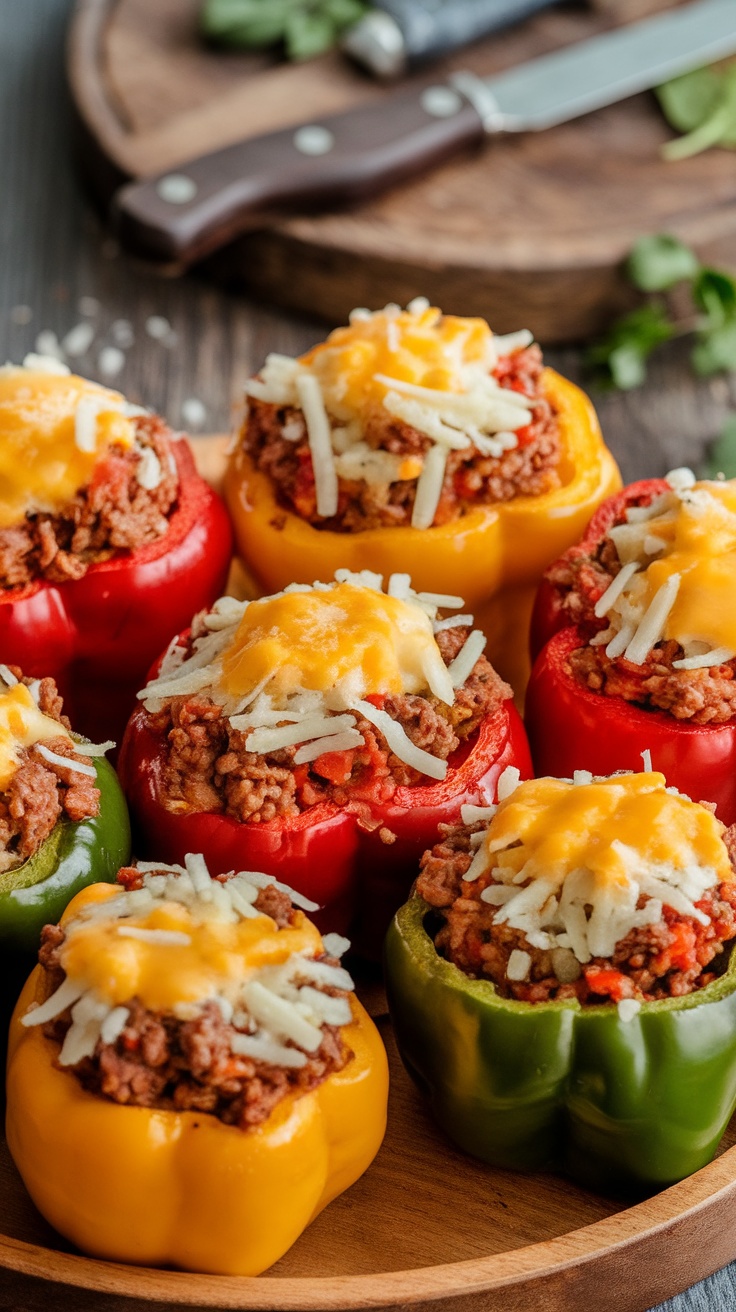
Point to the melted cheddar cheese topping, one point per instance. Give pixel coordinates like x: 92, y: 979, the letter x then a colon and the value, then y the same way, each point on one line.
x: 41, y: 465
x: 218, y: 957
x: 346, y: 635
x: 553, y: 828
x: 21, y: 725
x: 701, y: 547
x: 424, y: 347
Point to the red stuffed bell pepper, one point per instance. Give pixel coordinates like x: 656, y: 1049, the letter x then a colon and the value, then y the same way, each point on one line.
x: 321, y: 735
x: 635, y: 630
x: 108, y: 538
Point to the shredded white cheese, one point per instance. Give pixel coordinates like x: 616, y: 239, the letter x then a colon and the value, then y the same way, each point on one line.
x: 519, y: 965
x: 429, y: 488
x: 320, y: 444
x: 400, y: 744
x: 54, y: 758
x: 651, y: 627
x: 465, y: 661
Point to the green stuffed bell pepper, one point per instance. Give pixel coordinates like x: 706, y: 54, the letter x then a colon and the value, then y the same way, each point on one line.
x: 566, y: 998
x: 76, y: 853
x: 63, y: 818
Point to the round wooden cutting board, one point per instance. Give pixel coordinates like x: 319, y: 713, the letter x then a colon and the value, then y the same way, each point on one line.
x: 526, y: 231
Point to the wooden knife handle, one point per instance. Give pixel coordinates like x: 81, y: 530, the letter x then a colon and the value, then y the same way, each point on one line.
x: 180, y: 216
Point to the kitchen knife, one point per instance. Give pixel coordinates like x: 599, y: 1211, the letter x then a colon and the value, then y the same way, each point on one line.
x: 397, y: 35
x: 182, y: 215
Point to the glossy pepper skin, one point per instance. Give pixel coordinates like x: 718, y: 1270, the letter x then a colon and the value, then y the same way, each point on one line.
x: 75, y: 854
x: 134, y: 1184
x: 548, y: 615
x: 493, y: 557
x: 620, y: 1106
x: 323, y: 853
x: 97, y: 635
x: 572, y: 727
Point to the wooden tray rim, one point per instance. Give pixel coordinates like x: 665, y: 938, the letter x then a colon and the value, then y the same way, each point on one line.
x: 675, y: 1207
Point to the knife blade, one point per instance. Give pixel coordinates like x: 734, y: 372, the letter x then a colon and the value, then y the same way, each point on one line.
x: 180, y: 216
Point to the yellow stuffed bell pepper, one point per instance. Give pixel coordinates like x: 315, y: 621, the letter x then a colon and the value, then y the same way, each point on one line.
x: 392, y: 367
x: 164, y: 1185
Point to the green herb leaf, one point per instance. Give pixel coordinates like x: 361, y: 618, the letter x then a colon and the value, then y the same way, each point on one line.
x: 715, y: 350
x: 309, y: 34
x: 344, y: 12
x: 702, y: 104
x: 688, y: 100
x: 245, y: 22
x: 658, y: 262
x: 714, y: 292
x: 721, y: 457
x: 622, y: 355
x: 307, y: 27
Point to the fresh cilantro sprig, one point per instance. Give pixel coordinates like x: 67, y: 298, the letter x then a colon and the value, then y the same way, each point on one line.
x: 306, y: 27
x: 702, y: 105
x: 656, y: 265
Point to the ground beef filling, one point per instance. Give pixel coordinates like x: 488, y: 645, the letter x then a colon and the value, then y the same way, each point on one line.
x: 113, y: 513
x: 471, y: 479
x: 187, y: 1065
x: 209, y: 769
x: 665, y: 960
x: 702, y: 696
x: 41, y: 793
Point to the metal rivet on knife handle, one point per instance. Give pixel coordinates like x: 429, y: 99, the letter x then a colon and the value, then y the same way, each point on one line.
x: 176, y: 188
x: 313, y: 140
x: 441, y: 102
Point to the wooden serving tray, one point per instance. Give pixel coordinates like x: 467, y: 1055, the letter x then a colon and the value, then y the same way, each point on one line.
x: 426, y: 1227
x: 529, y: 231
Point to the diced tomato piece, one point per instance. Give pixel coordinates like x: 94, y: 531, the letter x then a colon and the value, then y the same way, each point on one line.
x: 335, y: 766
x: 608, y: 982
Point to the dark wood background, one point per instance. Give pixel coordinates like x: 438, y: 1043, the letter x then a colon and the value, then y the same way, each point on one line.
x: 54, y: 251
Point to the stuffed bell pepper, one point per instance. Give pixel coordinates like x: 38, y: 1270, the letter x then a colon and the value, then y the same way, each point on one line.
x: 108, y: 539
x: 322, y: 735
x: 63, y: 818
x: 562, y: 983
x: 191, y: 1078
x: 415, y: 441
x: 638, y: 626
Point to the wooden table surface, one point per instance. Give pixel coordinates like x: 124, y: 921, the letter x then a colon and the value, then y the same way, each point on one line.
x: 54, y: 252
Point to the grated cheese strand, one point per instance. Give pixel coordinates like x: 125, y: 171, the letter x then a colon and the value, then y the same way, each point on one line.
x: 708, y: 659
x: 429, y: 488
x: 614, y: 589
x: 53, y: 758
x: 400, y: 744
x: 314, y: 726
x: 651, y: 626
x: 464, y: 663
x: 336, y: 742
x: 320, y: 444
